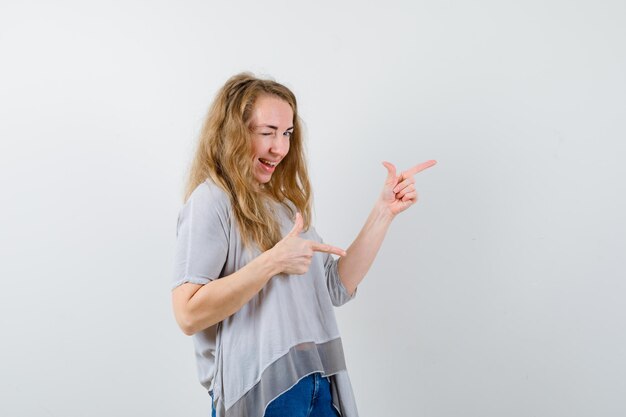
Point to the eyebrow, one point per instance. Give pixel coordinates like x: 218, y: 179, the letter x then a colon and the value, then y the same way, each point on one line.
x: 275, y: 127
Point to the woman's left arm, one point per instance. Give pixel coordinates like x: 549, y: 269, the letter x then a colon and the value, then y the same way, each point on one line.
x: 398, y: 194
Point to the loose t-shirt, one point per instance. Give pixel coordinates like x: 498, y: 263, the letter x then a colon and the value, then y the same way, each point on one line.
x: 285, y: 332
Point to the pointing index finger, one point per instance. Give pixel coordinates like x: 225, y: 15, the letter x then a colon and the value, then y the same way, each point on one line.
x: 418, y: 168
x: 322, y: 247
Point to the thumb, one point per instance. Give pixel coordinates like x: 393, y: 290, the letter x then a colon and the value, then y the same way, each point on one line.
x: 391, y: 172
x: 297, y: 225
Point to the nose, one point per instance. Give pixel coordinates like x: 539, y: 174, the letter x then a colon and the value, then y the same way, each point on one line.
x: 280, y: 146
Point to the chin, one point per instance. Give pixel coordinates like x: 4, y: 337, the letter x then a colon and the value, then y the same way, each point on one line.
x: 262, y: 177
x: 263, y: 180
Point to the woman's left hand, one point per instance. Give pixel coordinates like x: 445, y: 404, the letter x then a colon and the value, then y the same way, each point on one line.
x: 399, y: 191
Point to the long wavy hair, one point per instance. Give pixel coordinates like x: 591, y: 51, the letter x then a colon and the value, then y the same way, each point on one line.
x: 224, y: 154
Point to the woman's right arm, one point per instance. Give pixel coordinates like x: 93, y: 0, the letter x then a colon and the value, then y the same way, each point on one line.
x: 198, y: 307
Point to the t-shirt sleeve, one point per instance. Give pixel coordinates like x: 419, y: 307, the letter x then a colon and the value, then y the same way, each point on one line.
x: 201, y: 237
x: 338, y: 293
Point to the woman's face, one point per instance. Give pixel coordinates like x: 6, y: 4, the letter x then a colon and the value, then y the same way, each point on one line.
x: 272, y: 126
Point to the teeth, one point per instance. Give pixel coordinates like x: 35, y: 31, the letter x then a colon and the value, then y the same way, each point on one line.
x: 273, y: 164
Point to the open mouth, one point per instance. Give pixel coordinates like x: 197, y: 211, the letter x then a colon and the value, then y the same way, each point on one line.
x: 268, y: 163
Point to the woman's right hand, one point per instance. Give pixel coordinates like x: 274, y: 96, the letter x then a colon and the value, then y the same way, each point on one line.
x: 293, y: 254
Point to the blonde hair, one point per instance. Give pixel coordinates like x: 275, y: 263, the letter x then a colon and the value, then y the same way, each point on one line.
x: 224, y: 154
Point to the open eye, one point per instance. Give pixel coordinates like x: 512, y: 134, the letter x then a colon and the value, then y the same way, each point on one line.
x: 288, y: 133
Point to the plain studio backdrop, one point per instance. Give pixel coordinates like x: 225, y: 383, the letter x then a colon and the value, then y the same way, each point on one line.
x: 501, y: 293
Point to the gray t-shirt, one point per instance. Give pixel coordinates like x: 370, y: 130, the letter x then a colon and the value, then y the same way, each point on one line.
x: 285, y: 332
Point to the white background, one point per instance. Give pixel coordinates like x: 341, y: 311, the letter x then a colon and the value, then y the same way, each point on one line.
x: 500, y: 293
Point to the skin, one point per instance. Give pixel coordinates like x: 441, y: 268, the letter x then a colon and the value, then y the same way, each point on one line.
x: 272, y: 125
x: 398, y: 194
x: 197, y: 307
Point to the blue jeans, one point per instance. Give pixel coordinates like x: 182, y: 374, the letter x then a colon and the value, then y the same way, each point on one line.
x: 310, y: 397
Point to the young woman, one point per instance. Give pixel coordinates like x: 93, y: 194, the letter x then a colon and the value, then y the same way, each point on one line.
x: 254, y: 283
